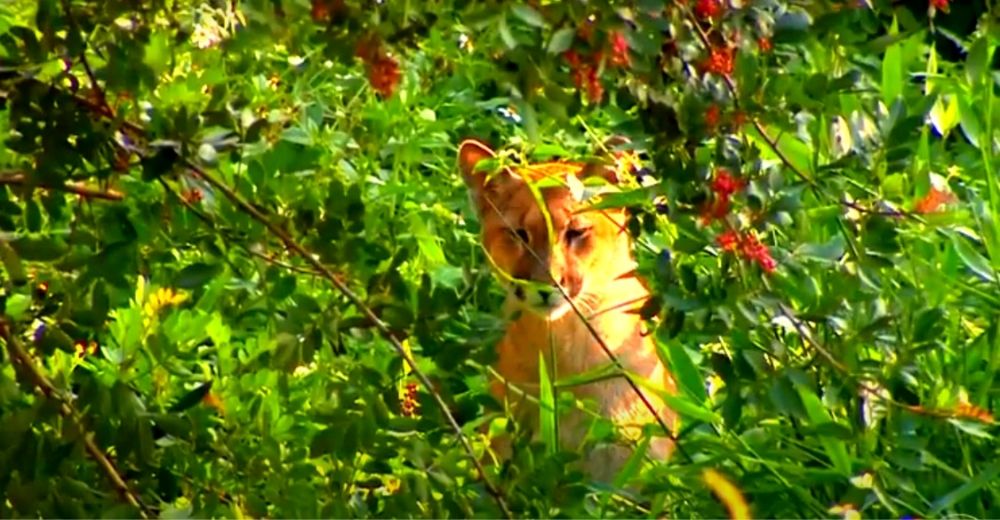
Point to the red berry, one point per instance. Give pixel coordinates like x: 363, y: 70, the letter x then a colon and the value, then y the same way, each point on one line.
x: 764, y: 44
x: 585, y: 75
x: 193, y: 196
x: 715, y: 210
x: 941, y: 5
x: 619, y: 49
x: 725, y: 184
x: 933, y: 201
x: 729, y: 240
x: 752, y: 249
x: 739, y: 118
x: 712, y: 116
x: 705, y: 9
x: 383, y: 74
x: 572, y: 57
x: 720, y: 61
x: 410, y: 404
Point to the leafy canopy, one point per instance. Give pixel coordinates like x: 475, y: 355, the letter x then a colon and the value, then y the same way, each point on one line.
x: 226, y: 229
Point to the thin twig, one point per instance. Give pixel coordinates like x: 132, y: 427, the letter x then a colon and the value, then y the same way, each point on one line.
x: 20, y: 179
x: 23, y: 361
x: 105, y: 108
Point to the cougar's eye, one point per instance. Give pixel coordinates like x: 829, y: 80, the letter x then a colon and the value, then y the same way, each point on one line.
x: 519, y: 234
x: 575, y: 234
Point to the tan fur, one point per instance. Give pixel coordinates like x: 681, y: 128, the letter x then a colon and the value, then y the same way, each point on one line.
x: 595, y: 266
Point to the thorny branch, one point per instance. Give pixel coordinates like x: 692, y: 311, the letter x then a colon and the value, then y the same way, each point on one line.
x: 22, y: 361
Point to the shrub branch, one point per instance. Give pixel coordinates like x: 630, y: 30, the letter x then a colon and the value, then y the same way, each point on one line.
x: 20, y: 179
x: 22, y: 361
x: 336, y: 280
x: 339, y: 283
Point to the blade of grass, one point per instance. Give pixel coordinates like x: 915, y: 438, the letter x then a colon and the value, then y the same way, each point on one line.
x: 835, y: 449
x: 971, y: 486
x: 547, y: 407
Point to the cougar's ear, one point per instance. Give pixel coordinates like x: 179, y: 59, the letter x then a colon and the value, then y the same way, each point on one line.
x: 470, y: 153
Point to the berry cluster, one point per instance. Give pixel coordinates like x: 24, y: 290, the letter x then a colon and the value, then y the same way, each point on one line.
x: 749, y: 247
x: 720, y: 61
x: 724, y: 186
x: 85, y: 348
x: 970, y: 411
x: 584, y: 72
x: 932, y: 202
x: 383, y: 69
x: 585, y: 68
x: 410, y: 404
x: 708, y: 9
x: 193, y: 196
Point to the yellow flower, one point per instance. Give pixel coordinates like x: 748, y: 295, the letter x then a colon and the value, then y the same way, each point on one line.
x: 392, y: 485
x: 157, y: 301
x: 846, y: 511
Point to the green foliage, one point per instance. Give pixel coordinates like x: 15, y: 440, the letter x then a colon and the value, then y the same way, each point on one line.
x: 163, y: 166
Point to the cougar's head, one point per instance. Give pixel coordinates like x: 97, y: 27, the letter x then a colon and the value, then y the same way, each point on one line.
x: 548, y: 238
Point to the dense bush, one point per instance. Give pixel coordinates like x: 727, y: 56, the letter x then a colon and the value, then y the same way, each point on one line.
x: 225, y: 226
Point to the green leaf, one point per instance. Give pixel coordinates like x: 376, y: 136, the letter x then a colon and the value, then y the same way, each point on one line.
x: 893, y: 73
x: 633, y: 464
x: 624, y: 199
x: 977, y: 60
x: 12, y: 264
x: 680, y: 365
x: 685, y: 408
x: 17, y: 305
x: 32, y: 215
x: 561, y: 40
x: 427, y: 241
x: 601, y: 372
x: 984, y: 478
x: 797, y: 152
x: 191, y: 398
x: 41, y: 249
x: 505, y: 34
x: 325, y: 442
x: 970, y: 120
x: 835, y: 449
x: 197, y: 275
x: 972, y: 259
x: 528, y: 15
x: 54, y: 337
